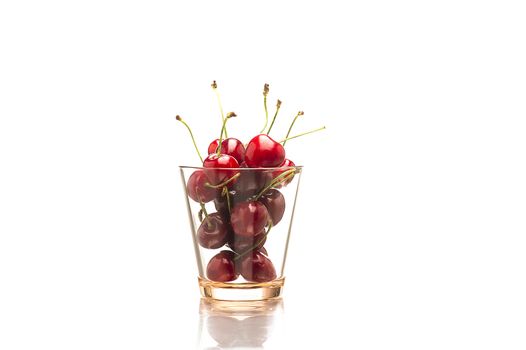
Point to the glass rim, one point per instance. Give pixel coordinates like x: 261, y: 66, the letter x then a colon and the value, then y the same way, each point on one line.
x: 298, y: 167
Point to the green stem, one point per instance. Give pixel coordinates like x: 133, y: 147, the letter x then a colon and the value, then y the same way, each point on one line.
x: 305, y: 133
x: 292, y: 124
x: 278, y: 105
x: 265, y: 93
x: 223, y: 128
x: 203, y: 209
x: 275, y: 181
x: 266, y: 115
x: 239, y: 256
x: 214, y: 87
x: 224, y: 183
x: 191, y: 135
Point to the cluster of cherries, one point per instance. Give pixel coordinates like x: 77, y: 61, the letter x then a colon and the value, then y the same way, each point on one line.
x: 243, y: 181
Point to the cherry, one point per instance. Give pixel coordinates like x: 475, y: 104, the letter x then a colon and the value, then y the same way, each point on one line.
x: 287, y: 163
x: 212, y: 148
x: 263, y: 152
x: 213, y: 232
x: 251, y: 182
x: 274, y: 201
x: 222, y: 161
x: 222, y: 268
x: 241, y: 244
x: 197, y: 189
x: 249, y: 218
x: 256, y: 267
x: 231, y: 146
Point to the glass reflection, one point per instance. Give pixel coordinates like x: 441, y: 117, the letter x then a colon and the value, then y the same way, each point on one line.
x: 237, y: 325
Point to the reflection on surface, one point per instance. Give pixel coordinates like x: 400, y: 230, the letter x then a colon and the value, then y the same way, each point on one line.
x: 236, y: 325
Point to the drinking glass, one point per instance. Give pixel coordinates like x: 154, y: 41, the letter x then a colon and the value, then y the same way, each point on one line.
x: 240, y: 221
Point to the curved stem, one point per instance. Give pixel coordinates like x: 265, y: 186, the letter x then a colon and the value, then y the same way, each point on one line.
x: 292, y: 124
x: 266, y: 115
x: 255, y: 245
x: 304, y: 133
x: 265, y: 93
x: 278, y: 105
x: 224, y: 183
x: 177, y: 117
x: 203, y: 209
x: 223, y: 128
x: 214, y: 87
x: 277, y: 180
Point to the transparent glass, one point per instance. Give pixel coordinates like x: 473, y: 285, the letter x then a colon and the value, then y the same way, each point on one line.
x: 240, y: 220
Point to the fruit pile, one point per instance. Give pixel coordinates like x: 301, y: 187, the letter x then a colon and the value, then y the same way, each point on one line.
x: 244, y: 182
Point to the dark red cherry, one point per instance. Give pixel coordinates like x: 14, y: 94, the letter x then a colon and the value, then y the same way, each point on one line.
x: 231, y: 146
x: 212, y: 148
x: 222, y: 268
x: 248, y: 218
x: 250, y: 182
x: 213, y: 232
x: 287, y: 163
x: 274, y: 201
x: 263, y: 152
x: 256, y: 267
x: 241, y: 244
x: 224, y: 161
x: 197, y: 189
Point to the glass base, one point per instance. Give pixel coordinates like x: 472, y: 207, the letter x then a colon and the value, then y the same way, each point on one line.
x: 241, y: 291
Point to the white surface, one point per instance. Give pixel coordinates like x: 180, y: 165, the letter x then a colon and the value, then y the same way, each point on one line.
x: 411, y: 222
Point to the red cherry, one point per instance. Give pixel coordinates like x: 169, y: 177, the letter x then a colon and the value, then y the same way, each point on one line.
x: 222, y: 268
x: 241, y: 244
x: 197, y: 189
x: 256, y: 267
x: 213, y: 232
x: 249, y: 218
x: 217, y: 176
x: 231, y: 146
x: 263, y: 152
x: 212, y: 148
x: 274, y: 201
x: 287, y: 163
x: 251, y: 182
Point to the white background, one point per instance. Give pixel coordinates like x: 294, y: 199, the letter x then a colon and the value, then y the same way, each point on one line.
x: 411, y: 218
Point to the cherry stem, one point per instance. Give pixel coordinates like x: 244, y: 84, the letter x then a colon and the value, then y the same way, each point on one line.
x: 265, y: 93
x: 214, y: 87
x: 191, y: 135
x: 227, y: 195
x: 278, y: 105
x: 304, y: 133
x: 203, y: 209
x: 276, y: 181
x: 224, y: 183
x: 292, y: 124
x: 223, y: 128
x: 257, y: 244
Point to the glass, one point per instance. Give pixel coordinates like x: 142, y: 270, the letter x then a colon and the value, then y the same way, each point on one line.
x: 240, y: 221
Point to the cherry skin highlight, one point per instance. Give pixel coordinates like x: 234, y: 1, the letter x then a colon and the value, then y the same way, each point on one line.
x: 218, y: 176
x: 274, y: 201
x: 263, y: 152
x: 231, y: 146
x: 197, y: 189
x: 249, y: 218
x: 256, y: 267
x: 222, y: 267
x: 212, y: 148
x: 213, y: 232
